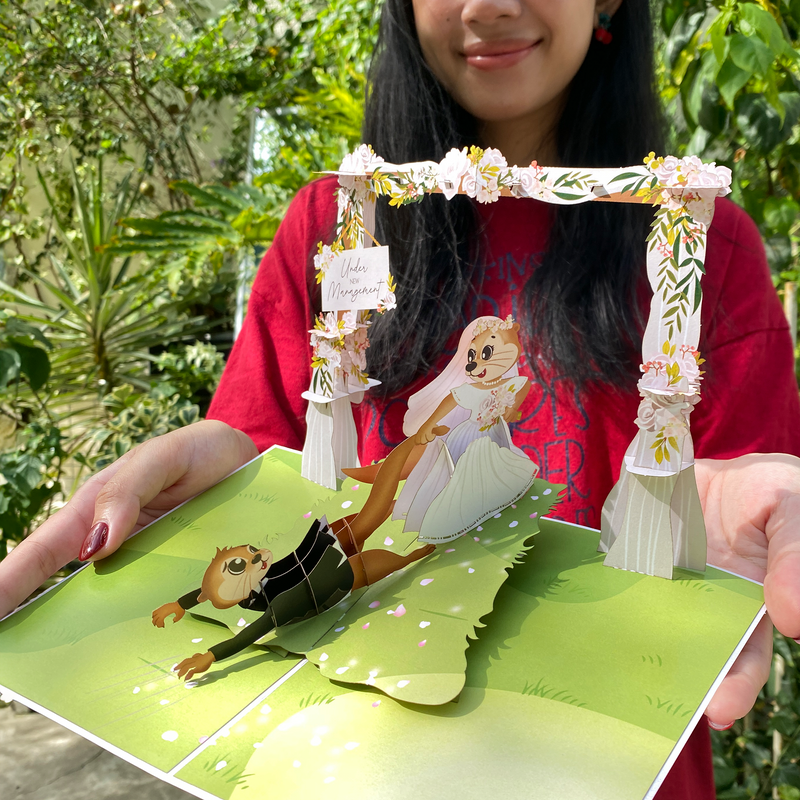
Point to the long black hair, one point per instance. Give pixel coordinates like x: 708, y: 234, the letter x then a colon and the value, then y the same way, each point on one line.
x: 580, y: 313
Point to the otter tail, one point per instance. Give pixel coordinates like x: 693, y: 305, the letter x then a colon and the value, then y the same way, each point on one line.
x: 384, y: 487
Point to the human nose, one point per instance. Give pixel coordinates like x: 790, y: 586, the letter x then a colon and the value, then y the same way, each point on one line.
x: 487, y: 11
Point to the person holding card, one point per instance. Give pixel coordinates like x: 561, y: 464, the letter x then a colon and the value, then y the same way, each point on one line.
x: 559, y: 83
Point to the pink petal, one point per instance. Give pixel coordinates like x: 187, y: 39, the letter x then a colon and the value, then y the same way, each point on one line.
x: 425, y: 581
x: 375, y: 604
x: 307, y: 515
x: 365, y: 626
x: 400, y: 610
x: 356, y: 487
x: 422, y: 643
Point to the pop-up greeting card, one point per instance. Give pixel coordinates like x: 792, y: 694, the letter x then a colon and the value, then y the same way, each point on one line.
x: 324, y: 627
x: 461, y: 671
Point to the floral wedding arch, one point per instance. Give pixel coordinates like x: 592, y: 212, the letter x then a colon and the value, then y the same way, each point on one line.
x: 651, y: 520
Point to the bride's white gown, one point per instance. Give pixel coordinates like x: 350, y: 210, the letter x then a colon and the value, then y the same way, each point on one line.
x: 466, y: 476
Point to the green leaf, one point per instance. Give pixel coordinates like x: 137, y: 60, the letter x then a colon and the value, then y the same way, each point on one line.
x: 35, y: 364
x: 682, y: 33
x: 17, y: 328
x: 698, y: 89
x: 9, y: 366
x: 751, y: 54
x: 781, y: 214
x: 767, y: 28
x: 759, y: 122
x: 730, y: 80
x: 779, y: 253
x: 716, y: 33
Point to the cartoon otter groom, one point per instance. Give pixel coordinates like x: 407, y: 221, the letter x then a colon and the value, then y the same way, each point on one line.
x: 327, y: 565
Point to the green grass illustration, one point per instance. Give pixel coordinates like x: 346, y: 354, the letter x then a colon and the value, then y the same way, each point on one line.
x: 221, y: 770
x: 542, y: 689
x: 316, y: 700
x: 698, y: 586
x: 670, y: 707
x: 186, y: 523
x: 259, y: 497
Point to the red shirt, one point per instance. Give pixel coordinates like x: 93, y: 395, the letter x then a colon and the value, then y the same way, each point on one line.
x: 749, y: 401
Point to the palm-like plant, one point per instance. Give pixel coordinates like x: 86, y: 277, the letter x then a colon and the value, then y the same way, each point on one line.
x: 101, y: 316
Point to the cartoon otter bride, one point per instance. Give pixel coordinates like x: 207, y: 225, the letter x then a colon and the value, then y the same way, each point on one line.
x: 467, y: 468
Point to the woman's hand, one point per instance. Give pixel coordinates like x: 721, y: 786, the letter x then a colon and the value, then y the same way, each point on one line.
x: 752, y: 512
x: 143, y: 485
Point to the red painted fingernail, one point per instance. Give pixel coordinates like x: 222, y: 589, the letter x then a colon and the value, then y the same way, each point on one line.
x: 720, y: 727
x: 96, y: 539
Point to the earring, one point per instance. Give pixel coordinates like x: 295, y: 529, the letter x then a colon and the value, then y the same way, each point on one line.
x: 603, y: 30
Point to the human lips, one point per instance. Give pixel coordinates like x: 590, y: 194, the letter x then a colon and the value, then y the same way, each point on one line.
x: 499, y: 55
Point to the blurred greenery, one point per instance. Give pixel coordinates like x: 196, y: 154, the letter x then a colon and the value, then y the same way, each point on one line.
x: 193, y: 123
x: 730, y: 80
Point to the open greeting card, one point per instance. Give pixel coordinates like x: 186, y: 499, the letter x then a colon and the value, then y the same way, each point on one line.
x: 418, y: 627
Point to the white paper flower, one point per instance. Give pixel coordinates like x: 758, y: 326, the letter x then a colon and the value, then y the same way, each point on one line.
x: 667, y: 171
x: 694, y: 172
x: 689, y: 369
x: 354, y: 356
x: 387, y: 302
x: 327, y: 327
x: 483, y: 179
x: 655, y: 375
x: 663, y: 413
x: 451, y: 170
x: 646, y: 415
x: 326, y: 351
x: 361, y: 162
x: 349, y: 323
x: 531, y: 183
x: 323, y: 259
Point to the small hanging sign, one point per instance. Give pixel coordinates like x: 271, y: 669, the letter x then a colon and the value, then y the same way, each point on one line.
x: 356, y: 279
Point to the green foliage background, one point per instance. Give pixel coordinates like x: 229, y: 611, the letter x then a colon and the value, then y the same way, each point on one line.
x: 155, y: 102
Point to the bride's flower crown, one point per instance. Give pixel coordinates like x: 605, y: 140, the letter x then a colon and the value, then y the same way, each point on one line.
x: 493, y: 325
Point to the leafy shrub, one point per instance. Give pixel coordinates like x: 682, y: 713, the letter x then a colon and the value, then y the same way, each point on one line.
x: 32, y: 479
x: 136, y: 417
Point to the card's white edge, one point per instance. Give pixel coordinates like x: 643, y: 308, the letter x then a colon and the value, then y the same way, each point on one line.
x: 123, y: 754
x: 167, y: 777
x: 180, y: 784
x: 687, y: 732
